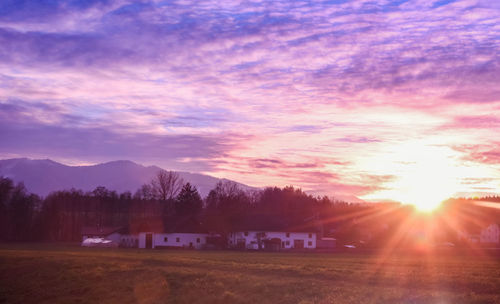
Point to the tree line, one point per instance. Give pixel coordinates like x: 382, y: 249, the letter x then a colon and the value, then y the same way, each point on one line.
x: 168, y: 204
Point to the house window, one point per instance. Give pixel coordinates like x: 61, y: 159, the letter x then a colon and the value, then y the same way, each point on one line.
x: 246, y: 233
x: 197, y: 240
x: 288, y: 234
x: 288, y: 243
x: 310, y: 235
x: 177, y: 240
x: 165, y: 239
x: 309, y: 243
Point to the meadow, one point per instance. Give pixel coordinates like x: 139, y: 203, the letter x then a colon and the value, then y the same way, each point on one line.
x: 55, y: 273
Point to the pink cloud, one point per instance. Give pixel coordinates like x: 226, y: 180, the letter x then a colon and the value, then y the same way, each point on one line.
x: 485, y: 153
x: 265, y: 93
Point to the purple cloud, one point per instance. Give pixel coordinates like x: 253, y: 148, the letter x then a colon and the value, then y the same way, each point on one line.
x: 282, y: 89
x: 27, y: 136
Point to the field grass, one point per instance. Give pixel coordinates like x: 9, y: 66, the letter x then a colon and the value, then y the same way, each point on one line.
x: 49, y: 273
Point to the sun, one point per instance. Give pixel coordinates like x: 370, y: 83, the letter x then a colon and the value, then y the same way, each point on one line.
x: 424, y: 176
x: 427, y: 182
x: 424, y: 198
x: 424, y: 188
x: 428, y: 206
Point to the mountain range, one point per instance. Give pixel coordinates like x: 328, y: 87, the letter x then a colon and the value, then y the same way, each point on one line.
x: 42, y: 176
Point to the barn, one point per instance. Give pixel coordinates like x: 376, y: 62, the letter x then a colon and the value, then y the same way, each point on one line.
x: 151, y: 240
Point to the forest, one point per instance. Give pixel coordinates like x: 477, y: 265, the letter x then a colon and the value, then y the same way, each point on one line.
x: 168, y: 204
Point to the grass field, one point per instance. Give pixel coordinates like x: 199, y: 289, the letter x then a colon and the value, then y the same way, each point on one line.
x: 44, y: 273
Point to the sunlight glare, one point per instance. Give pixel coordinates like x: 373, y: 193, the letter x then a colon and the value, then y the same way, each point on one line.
x: 424, y: 176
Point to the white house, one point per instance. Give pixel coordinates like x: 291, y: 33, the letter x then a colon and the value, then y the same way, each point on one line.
x: 129, y: 240
x: 270, y: 240
x: 152, y: 240
x: 490, y: 234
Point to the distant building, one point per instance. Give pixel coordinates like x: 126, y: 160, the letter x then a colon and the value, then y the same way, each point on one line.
x: 118, y: 235
x: 109, y: 233
x: 129, y: 240
x: 246, y: 240
x: 151, y: 240
x: 271, y: 240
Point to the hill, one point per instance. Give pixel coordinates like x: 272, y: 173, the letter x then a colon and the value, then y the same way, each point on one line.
x: 42, y: 176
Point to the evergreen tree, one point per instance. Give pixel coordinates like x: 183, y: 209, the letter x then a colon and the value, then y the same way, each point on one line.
x: 188, y: 202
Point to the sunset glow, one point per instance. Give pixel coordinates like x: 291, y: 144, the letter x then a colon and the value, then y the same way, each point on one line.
x: 250, y: 151
x: 360, y: 100
x: 426, y: 175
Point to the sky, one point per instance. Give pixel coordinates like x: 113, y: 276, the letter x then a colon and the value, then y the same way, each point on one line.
x: 377, y: 99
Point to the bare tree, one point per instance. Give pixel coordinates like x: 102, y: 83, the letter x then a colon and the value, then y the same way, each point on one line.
x: 144, y: 192
x: 166, y: 185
